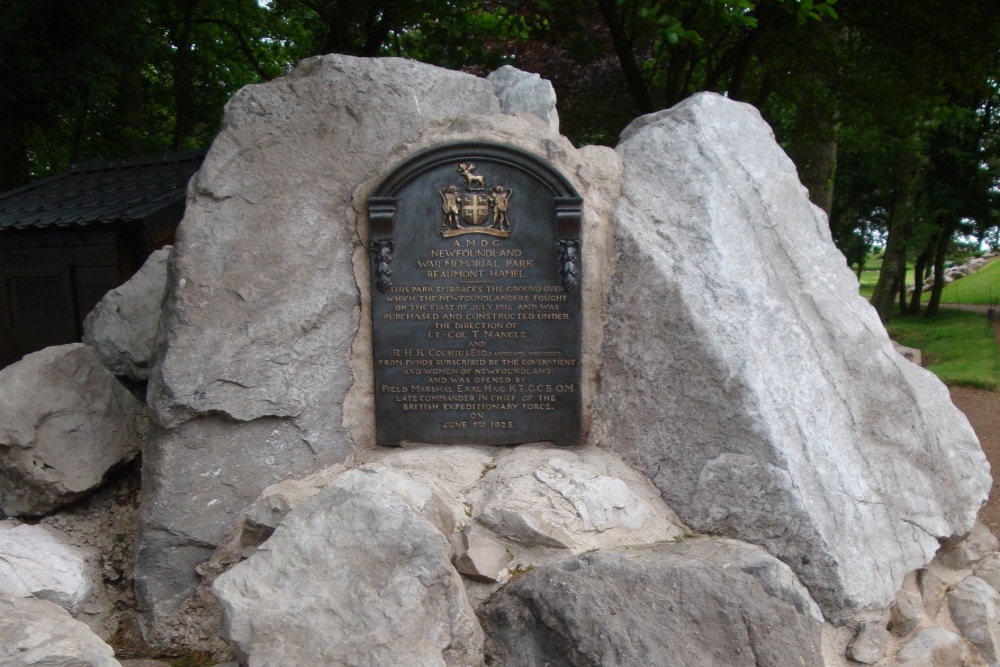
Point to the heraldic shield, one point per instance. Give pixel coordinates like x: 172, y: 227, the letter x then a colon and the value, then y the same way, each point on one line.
x: 477, y: 210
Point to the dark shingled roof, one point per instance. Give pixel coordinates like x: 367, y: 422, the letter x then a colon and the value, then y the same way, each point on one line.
x: 144, y: 189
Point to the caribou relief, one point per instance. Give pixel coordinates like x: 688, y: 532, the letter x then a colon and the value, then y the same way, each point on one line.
x: 475, y: 210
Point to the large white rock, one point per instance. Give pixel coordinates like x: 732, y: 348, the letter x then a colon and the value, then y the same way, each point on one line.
x: 359, y: 574
x: 523, y: 92
x: 122, y: 326
x: 36, y: 562
x: 372, y: 553
x: 746, y: 377
x: 266, y: 367
x: 38, y: 632
x: 263, y: 306
x: 65, y: 421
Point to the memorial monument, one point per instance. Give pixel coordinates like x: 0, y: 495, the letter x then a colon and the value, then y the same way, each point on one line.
x: 433, y: 386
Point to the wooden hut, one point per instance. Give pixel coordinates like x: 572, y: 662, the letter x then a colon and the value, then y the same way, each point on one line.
x: 66, y: 240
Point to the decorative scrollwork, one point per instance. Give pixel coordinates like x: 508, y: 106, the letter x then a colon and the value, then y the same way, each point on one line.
x: 382, y: 253
x: 569, y: 259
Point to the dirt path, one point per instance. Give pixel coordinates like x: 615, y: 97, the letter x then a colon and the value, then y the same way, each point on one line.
x: 983, y: 410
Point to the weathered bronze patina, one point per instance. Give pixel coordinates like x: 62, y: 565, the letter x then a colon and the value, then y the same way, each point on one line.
x: 475, y: 269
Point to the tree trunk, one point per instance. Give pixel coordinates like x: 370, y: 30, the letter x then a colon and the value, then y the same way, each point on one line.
x: 902, y: 291
x: 183, y: 76
x: 918, y: 278
x: 933, y: 305
x: 814, y: 151
x: 900, y: 229
x: 626, y: 57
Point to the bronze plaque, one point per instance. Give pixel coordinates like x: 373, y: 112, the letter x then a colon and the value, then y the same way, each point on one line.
x: 475, y: 269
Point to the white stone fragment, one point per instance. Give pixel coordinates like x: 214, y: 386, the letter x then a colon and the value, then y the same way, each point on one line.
x: 37, y: 632
x: 479, y: 555
x: 975, y: 610
x: 35, y: 562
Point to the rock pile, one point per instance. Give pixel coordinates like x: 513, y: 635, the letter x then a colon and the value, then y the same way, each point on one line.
x: 953, y: 273
x: 764, y: 480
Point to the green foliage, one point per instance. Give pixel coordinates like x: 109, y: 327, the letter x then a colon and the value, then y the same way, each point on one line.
x: 957, y: 346
x: 982, y: 287
x: 99, y: 79
x: 862, y: 93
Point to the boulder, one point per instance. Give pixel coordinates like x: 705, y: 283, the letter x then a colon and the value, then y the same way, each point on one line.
x: 698, y: 602
x: 414, y: 517
x: 359, y: 574
x: 937, y: 647
x: 975, y: 610
x: 122, y: 326
x: 37, y: 562
x: 746, y: 377
x: 265, y: 368
x: 870, y: 644
x: 262, y: 309
x: 541, y: 497
x: 38, y: 632
x: 969, y: 550
x: 260, y: 316
x: 524, y: 92
x: 66, y: 421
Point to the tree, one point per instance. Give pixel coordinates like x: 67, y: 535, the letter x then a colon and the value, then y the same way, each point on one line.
x: 58, y: 60
x: 101, y: 79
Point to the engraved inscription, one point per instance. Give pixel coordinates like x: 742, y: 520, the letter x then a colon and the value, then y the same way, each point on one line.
x: 477, y: 338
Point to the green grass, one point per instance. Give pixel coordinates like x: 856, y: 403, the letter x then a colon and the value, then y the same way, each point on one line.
x: 982, y: 287
x: 870, y: 275
x: 957, y: 346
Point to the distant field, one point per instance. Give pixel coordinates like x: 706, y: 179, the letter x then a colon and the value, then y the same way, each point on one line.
x: 982, y: 287
x: 958, y: 346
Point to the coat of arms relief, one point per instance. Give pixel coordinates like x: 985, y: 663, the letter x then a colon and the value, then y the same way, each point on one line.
x: 475, y: 209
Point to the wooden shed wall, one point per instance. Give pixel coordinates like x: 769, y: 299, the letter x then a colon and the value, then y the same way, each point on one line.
x: 50, y: 280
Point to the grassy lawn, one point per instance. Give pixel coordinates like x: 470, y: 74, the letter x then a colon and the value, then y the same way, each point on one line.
x: 959, y: 347
x: 981, y: 287
x: 870, y: 276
